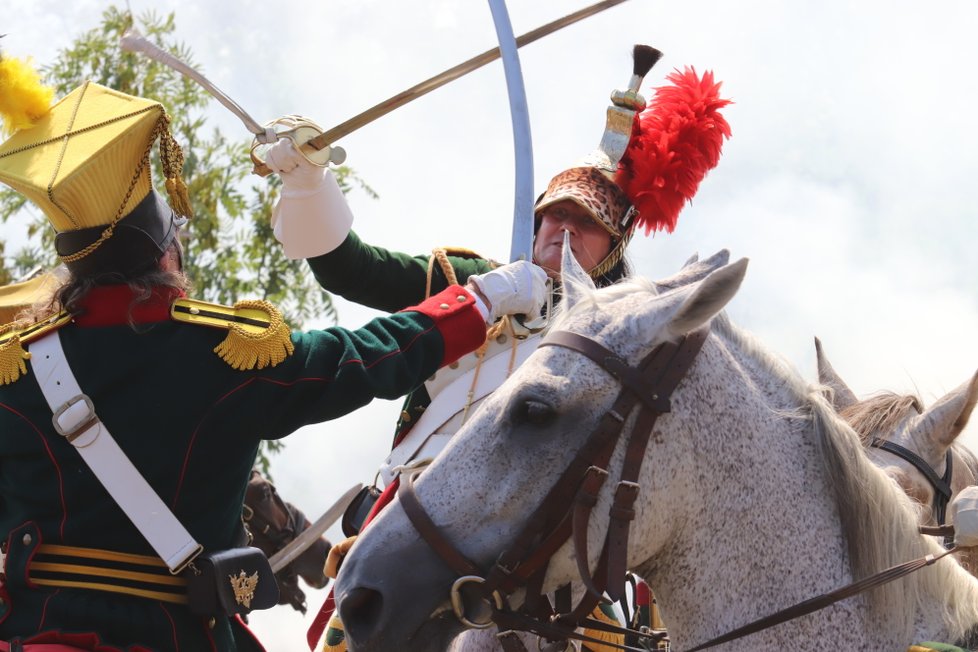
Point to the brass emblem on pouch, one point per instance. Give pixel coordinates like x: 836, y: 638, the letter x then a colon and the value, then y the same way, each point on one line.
x: 244, y: 588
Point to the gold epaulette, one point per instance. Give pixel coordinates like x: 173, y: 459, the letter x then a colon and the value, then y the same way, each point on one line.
x: 258, y: 337
x: 14, y: 336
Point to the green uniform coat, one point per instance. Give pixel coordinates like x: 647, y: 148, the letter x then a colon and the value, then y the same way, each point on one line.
x: 191, y: 424
x: 389, y: 281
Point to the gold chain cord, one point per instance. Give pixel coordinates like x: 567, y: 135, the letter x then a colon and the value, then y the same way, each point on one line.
x: 171, y: 158
x: 110, y: 229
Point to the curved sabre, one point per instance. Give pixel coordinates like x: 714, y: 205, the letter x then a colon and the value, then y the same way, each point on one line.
x: 522, y: 240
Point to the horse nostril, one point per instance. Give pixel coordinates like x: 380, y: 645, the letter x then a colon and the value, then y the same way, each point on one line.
x: 360, y: 612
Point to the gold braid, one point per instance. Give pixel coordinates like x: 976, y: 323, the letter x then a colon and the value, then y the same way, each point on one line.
x: 171, y: 158
x: 110, y: 228
x: 441, y: 255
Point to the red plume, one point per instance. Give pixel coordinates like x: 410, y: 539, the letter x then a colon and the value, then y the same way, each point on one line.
x: 675, y: 142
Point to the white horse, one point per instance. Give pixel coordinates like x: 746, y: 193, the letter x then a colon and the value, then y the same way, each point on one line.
x: 754, y: 495
x: 930, y: 434
x: 484, y: 640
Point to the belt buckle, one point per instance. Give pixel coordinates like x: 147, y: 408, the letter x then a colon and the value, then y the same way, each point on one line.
x: 79, y: 421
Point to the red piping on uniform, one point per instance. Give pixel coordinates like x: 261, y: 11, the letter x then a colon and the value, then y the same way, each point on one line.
x: 193, y: 439
x: 44, y: 609
x: 61, y: 486
x: 173, y: 626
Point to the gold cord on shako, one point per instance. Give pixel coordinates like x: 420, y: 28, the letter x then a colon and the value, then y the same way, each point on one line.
x: 85, y: 161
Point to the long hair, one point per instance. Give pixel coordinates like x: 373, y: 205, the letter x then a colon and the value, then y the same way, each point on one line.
x: 71, y: 295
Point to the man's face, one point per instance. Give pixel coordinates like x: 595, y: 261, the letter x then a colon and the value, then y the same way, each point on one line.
x: 590, y: 242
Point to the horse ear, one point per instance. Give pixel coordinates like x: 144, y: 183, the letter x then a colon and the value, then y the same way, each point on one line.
x: 708, y: 298
x: 694, y: 270
x: 692, y: 259
x: 942, y: 422
x: 574, y: 281
x: 841, y: 396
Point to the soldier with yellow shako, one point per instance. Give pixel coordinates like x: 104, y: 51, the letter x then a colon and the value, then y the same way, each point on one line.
x: 131, y: 415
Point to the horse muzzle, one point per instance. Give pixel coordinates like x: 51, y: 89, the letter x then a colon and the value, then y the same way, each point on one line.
x: 394, y: 595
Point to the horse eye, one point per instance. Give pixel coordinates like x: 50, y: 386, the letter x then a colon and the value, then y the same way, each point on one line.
x: 535, y: 412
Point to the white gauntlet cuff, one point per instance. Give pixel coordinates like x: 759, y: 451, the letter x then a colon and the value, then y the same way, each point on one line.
x: 312, y: 222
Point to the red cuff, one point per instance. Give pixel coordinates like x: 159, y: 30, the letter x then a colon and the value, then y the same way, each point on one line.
x: 457, y: 319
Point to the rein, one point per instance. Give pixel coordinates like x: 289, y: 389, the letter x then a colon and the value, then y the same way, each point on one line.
x: 941, y: 485
x: 566, y: 510
x: 565, y: 513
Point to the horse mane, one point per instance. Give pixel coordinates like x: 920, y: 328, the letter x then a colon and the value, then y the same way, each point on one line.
x: 880, y: 414
x: 884, y: 412
x: 878, y: 520
x: 590, y: 300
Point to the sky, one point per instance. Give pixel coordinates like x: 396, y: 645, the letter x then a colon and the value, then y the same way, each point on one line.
x: 848, y: 180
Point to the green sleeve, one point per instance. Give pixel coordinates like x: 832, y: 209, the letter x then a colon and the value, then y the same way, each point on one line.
x: 383, y: 279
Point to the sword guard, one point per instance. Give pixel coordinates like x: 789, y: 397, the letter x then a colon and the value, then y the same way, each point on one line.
x: 300, y: 130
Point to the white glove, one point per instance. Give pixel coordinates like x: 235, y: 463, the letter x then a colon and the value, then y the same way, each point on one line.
x: 518, y: 288
x: 311, y: 216
x: 963, y: 512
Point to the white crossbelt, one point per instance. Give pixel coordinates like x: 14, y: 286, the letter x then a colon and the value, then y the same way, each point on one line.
x: 423, y: 441
x: 75, y: 419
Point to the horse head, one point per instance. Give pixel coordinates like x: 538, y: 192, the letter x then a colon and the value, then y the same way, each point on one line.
x: 916, y: 446
x: 394, y: 589
x: 732, y: 486
x: 929, y: 433
x: 273, y: 523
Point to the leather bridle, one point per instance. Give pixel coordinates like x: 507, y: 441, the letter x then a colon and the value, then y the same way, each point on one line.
x: 940, y: 485
x: 565, y: 513
x: 566, y: 510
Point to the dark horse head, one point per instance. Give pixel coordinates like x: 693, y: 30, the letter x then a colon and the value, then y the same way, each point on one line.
x: 273, y: 524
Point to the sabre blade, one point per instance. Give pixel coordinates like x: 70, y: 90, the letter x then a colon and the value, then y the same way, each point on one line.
x: 133, y: 41
x: 307, y: 537
x: 364, y: 118
x: 522, y: 236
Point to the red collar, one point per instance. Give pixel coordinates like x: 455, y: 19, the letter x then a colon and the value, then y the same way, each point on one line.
x: 112, y: 305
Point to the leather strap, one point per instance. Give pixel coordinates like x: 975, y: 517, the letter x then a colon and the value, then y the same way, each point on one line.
x: 75, y: 419
x: 565, y: 511
x: 430, y: 532
x: 820, y: 602
x: 941, y: 485
x: 512, y: 568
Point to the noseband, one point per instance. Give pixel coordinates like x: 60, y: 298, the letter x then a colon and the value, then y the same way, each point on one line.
x: 940, y: 485
x: 566, y: 510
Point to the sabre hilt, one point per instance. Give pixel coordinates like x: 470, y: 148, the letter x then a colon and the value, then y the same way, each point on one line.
x: 300, y: 131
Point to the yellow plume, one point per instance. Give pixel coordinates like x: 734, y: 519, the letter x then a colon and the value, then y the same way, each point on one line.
x: 23, y: 98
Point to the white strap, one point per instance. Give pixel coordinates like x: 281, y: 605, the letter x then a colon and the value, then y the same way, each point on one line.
x: 75, y: 419
x: 423, y: 437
